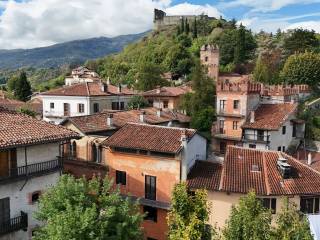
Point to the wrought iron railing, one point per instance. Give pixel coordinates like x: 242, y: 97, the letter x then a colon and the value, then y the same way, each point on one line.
x: 14, y: 224
x: 32, y: 170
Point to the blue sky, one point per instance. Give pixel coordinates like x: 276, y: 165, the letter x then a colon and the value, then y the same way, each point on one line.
x: 36, y: 23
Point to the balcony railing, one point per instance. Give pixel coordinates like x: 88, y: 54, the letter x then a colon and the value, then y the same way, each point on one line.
x: 257, y: 138
x: 14, y: 224
x: 32, y: 170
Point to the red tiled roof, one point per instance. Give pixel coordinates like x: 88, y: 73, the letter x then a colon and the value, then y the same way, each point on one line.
x: 98, y: 122
x: 270, y: 116
x: 205, y: 175
x: 148, y: 137
x: 238, y: 175
x: 167, y: 91
x: 18, y: 129
x: 10, y: 104
x: 302, y: 155
x: 88, y: 89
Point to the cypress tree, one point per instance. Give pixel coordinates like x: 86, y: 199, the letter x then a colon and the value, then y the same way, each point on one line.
x: 182, y: 25
x: 194, y: 29
x: 240, y: 52
x: 187, y: 28
x: 22, y: 89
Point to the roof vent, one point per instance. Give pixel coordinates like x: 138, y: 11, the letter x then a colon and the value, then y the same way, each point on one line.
x: 284, y: 168
x: 255, y: 168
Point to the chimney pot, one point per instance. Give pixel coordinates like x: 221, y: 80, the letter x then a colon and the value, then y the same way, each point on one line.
x: 252, y: 117
x: 110, y: 120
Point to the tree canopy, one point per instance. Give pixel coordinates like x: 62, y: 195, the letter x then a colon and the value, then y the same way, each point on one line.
x: 301, y: 40
x: 84, y: 210
x: 20, y: 86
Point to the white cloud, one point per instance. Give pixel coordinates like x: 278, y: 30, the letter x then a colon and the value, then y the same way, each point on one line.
x: 191, y: 9
x: 310, y: 25
x: 265, y: 5
x: 36, y: 23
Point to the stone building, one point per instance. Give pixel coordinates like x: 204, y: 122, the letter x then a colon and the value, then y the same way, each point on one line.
x: 29, y: 165
x: 209, y: 56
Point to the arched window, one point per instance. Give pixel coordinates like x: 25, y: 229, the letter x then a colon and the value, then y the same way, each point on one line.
x: 94, y: 153
x: 74, y: 149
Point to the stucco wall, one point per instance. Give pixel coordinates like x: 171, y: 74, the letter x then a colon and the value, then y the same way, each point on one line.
x: 196, y: 150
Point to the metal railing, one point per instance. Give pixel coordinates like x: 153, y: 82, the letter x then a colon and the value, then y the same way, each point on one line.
x: 31, y: 170
x: 14, y: 224
x: 256, y: 137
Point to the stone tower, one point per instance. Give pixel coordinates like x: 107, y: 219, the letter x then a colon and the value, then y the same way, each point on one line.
x: 209, y: 56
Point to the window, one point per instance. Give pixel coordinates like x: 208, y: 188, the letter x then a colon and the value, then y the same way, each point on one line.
x: 236, y: 104
x: 121, y: 177
x: 235, y: 125
x: 206, y: 59
x: 4, y: 210
x: 283, y: 149
x: 279, y: 149
x: 221, y: 127
x: 150, y: 187
x: 51, y: 105
x: 94, y: 153
x: 252, y: 146
x: 81, y: 108
x: 96, y: 107
x: 121, y: 105
x: 35, y: 197
x: 223, y: 147
x: 115, y: 105
x: 260, y: 135
x: 309, y: 205
x: 150, y: 213
x: 284, y: 129
x: 269, y: 203
x: 74, y: 149
x: 165, y: 104
x: 222, y: 104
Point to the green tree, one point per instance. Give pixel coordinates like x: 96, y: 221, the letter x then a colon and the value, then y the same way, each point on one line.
x: 137, y: 102
x: 302, y: 68
x: 189, y: 215
x: 240, y: 49
x: 300, y: 40
x: 20, y: 86
x: 261, y: 72
x: 291, y: 224
x: 84, y: 210
x: 27, y: 111
x: 249, y: 220
x: 11, y: 84
x: 187, y: 27
x: 149, y: 77
x: 202, y: 119
x: 182, y: 25
x: 194, y: 29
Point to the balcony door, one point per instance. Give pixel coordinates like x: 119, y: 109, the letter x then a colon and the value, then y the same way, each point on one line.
x: 4, y: 210
x: 4, y: 163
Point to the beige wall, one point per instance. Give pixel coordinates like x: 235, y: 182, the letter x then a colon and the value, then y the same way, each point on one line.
x: 221, y: 204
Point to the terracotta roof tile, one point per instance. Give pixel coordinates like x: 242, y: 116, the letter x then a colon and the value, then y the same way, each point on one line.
x: 167, y: 91
x: 270, y: 116
x: 18, y: 129
x: 239, y: 175
x: 88, y: 89
x: 98, y: 122
x: 205, y: 175
x: 148, y: 137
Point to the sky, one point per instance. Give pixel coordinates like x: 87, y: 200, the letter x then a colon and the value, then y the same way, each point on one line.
x: 38, y: 23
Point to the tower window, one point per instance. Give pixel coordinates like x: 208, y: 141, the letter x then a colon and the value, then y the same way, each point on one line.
x: 206, y: 59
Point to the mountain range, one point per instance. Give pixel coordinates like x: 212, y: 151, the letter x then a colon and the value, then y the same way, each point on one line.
x: 73, y: 52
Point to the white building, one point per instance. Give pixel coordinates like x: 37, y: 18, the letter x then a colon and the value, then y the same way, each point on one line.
x: 29, y: 151
x: 83, y: 99
x: 81, y: 75
x: 273, y: 127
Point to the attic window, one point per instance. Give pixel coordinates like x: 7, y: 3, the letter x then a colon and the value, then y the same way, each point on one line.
x: 255, y: 168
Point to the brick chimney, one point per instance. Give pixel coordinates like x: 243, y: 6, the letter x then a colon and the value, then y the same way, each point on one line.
x: 252, y: 117
x: 142, y: 116
x: 184, y: 160
x: 110, y: 120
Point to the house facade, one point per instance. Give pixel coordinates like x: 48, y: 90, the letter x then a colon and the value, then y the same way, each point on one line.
x: 166, y: 97
x: 83, y: 99
x: 272, y: 175
x: 81, y: 75
x: 146, y: 162
x: 29, y: 166
x: 273, y: 127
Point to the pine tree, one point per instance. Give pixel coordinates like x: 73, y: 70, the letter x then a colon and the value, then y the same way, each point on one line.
x: 22, y: 88
x: 194, y: 29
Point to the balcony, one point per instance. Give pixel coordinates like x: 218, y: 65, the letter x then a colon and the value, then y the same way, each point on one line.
x: 14, y: 224
x: 224, y: 113
x: 256, y: 138
x: 31, y: 170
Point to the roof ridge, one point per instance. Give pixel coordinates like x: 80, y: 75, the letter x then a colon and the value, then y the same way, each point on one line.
x: 158, y: 126
x: 265, y: 168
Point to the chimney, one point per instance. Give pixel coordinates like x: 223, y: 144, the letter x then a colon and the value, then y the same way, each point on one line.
x: 110, y: 120
x: 158, y: 90
x: 104, y: 87
x: 159, y: 111
x: 309, y: 159
x: 119, y: 88
x: 252, y: 117
x: 108, y: 81
x: 142, y: 115
x: 184, y: 161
